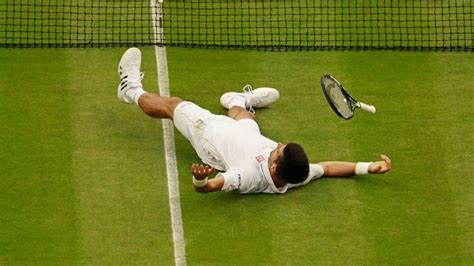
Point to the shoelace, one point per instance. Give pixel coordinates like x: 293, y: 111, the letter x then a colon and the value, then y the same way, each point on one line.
x: 248, y: 90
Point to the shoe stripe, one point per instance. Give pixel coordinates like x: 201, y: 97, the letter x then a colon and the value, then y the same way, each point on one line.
x: 123, y: 87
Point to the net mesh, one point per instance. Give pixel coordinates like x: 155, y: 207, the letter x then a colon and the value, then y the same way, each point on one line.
x: 250, y: 24
x: 72, y: 23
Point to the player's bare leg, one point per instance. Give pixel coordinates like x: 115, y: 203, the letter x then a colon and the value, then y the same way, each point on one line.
x: 158, y: 106
x: 238, y: 113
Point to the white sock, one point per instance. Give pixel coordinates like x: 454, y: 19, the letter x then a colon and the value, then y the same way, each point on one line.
x: 134, y: 94
x: 238, y: 100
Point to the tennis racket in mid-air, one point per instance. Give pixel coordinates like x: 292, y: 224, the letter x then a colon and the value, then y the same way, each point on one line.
x: 340, y: 100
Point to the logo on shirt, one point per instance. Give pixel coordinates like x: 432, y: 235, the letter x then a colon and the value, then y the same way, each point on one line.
x: 239, y: 183
x: 260, y: 158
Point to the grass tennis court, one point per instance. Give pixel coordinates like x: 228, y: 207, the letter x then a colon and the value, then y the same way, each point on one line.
x: 84, y: 177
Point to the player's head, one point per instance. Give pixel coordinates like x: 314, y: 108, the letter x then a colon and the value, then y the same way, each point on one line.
x: 292, y: 164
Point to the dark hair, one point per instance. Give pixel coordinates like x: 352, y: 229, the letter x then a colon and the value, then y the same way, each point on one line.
x: 293, y: 165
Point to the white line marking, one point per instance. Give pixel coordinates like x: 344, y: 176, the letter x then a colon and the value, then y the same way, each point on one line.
x: 168, y: 136
x: 173, y: 192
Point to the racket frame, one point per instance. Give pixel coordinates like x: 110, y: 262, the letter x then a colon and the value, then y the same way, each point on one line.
x: 352, y: 103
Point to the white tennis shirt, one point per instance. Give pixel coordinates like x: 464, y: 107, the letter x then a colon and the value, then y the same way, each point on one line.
x: 237, y: 148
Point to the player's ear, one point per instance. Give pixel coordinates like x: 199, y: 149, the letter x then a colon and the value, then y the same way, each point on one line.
x: 273, y: 168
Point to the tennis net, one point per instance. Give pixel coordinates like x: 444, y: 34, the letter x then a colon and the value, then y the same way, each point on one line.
x: 275, y: 25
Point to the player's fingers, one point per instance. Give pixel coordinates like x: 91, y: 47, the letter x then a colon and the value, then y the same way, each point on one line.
x: 384, y: 157
x: 196, y: 168
x: 387, y: 160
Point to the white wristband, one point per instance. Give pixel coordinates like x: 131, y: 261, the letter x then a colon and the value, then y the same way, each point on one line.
x: 199, y: 183
x: 362, y: 168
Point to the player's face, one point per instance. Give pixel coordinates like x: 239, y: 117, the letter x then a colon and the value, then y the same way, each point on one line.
x: 276, y: 153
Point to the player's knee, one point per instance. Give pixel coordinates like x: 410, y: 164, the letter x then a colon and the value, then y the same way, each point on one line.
x: 175, y: 99
x: 172, y: 103
x: 239, y: 113
x: 251, y: 115
x: 245, y: 115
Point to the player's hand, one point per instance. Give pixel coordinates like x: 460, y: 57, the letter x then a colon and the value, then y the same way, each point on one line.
x: 381, y: 167
x: 201, y: 171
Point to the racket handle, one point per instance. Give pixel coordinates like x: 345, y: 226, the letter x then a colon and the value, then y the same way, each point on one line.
x: 367, y: 108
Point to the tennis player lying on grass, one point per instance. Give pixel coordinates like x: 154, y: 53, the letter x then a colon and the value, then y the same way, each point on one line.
x: 232, y: 144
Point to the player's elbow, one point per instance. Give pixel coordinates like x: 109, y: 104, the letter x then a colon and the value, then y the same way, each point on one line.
x: 201, y: 189
x: 338, y: 169
x: 326, y: 169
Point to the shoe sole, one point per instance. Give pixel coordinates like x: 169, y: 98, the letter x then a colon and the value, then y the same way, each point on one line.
x: 130, y: 53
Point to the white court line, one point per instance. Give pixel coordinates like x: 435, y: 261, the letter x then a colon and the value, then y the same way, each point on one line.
x: 168, y: 136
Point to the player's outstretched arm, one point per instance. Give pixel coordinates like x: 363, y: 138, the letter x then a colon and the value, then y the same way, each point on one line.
x: 200, y: 179
x: 347, y: 169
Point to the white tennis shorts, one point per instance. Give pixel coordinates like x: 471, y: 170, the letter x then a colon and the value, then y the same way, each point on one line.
x: 196, y: 123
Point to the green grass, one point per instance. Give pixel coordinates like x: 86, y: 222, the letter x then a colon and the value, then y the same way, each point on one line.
x: 84, y: 177
x: 38, y: 211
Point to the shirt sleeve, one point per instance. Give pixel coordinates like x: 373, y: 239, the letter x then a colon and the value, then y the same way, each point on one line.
x: 232, y: 181
x: 236, y: 180
x: 315, y: 171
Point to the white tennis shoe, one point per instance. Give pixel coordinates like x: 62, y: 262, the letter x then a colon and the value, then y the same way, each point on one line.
x: 258, y: 98
x: 129, y: 73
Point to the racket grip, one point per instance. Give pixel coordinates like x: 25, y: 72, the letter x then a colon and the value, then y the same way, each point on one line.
x: 367, y: 108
